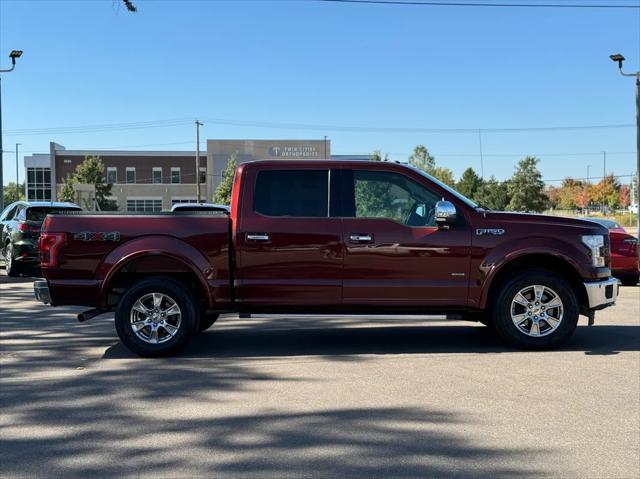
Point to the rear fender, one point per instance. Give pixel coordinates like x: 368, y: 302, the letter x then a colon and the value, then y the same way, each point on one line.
x: 159, y: 246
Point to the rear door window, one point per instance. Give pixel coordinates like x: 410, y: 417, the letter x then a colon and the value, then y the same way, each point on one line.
x: 39, y: 213
x: 292, y: 193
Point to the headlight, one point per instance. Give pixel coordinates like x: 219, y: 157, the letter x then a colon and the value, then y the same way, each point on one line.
x: 595, y: 243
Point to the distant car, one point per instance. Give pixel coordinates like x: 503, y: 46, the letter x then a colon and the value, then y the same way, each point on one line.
x: 624, y: 252
x: 184, y: 207
x: 20, y: 224
x: 633, y: 209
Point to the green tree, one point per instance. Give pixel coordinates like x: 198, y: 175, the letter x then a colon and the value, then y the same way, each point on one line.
x: 493, y: 194
x: 377, y: 156
x: 223, y: 191
x: 91, y: 172
x: 607, y: 191
x: 443, y: 174
x: 568, y: 194
x: 469, y: 183
x: 13, y: 192
x: 420, y: 158
x: 527, y: 187
x: 68, y: 192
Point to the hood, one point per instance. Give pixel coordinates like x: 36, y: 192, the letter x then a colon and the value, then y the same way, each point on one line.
x: 546, y: 220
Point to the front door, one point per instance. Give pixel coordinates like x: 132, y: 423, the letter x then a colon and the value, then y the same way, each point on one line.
x: 289, y: 250
x: 395, y: 255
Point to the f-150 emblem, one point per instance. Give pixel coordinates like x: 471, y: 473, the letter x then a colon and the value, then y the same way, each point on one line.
x: 489, y: 231
x: 97, y: 236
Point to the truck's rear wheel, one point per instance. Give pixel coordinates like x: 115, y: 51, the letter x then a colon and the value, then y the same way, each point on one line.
x: 536, y: 309
x: 156, y: 317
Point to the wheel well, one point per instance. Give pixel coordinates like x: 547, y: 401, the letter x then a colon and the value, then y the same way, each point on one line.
x: 146, y: 266
x: 539, y: 261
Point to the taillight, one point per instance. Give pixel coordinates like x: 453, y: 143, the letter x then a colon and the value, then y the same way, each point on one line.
x: 48, y: 245
x: 22, y: 227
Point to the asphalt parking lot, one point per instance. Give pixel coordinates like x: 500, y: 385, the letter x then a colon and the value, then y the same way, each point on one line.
x: 316, y: 397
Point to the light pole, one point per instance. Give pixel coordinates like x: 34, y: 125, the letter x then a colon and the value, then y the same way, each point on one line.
x: 198, y: 125
x: 17, y: 174
x: 588, y: 166
x: 13, y: 55
x: 618, y: 58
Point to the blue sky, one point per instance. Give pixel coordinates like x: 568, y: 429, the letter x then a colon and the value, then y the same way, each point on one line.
x: 314, y: 63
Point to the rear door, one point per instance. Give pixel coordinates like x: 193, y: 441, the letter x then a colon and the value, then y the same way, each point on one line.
x: 395, y: 254
x: 288, y: 246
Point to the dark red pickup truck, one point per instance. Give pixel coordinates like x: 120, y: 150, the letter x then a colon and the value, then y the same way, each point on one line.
x: 329, y: 237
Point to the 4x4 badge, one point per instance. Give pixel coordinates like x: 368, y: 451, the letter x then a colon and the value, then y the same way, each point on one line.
x: 489, y: 231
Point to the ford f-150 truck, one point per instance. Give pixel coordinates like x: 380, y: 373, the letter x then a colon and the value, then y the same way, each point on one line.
x: 319, y: 237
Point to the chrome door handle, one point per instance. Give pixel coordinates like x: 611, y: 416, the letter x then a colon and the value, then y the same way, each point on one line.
x: 360, y: 238
x: 257, y: 237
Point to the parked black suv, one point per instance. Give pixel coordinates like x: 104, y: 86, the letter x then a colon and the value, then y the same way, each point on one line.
x: 20, y: 224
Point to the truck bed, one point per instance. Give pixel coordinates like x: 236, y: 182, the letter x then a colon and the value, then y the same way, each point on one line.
x: 99, y: 248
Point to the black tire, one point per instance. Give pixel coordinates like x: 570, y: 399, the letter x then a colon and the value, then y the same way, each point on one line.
x: 549, y: 337
x: 630, y: 280
x: 177, y: 293
x: 12, y: 268
x: 206, y: 321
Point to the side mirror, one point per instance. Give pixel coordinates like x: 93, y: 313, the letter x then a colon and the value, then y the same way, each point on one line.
x: 445, y: 214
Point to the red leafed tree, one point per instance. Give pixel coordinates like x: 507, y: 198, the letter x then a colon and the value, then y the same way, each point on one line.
x: 583, y: 195
x: 624, y: 196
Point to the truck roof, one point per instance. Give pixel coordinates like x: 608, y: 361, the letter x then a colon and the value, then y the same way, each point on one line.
x: 322, y: 163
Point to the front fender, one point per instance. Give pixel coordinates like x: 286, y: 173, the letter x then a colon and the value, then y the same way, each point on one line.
x: 504, y: 254
x: 156, y: 245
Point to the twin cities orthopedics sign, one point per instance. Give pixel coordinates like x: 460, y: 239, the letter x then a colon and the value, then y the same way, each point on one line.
x: 294, y: 152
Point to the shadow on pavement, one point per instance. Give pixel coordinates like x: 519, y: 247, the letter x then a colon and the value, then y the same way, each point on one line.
x: 345, y: 341
x: 124, y: 424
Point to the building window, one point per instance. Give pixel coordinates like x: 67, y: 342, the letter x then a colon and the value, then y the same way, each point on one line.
x: 157, y: 174
x: 175, y: 201
x: 175, y: 175
x: 38, y: 184
x: 203, y: 175
x: 112, y: 175
x: 131, y: 174
x: 144, y: 205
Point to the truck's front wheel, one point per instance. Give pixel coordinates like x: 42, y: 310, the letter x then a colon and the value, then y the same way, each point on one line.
x: 535, y: 309
x: 156, y: 317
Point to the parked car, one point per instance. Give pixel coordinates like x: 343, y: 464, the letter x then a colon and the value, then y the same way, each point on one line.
x: 187, y: 207
x: 624, y: 252
x: 315, y: 237
x: 20, y: 224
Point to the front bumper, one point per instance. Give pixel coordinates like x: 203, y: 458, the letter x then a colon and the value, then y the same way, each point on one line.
x: 41, y: 290
x: 601, y: 293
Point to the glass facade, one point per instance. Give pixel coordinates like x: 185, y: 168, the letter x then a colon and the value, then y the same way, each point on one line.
x: 146, y: 205
x: 39, y: 184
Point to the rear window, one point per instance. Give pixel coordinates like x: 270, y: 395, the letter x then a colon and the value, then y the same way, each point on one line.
x: 40, y: 212
x: 301, y: 193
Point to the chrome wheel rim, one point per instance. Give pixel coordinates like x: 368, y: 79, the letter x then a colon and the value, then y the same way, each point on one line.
x: 537, y: 310
x: 155, y: 318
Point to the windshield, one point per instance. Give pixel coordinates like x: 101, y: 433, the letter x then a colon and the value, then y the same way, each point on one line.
x: 40, y: 212
x: 459, y: 196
